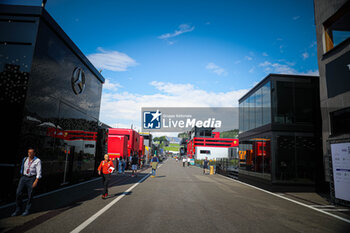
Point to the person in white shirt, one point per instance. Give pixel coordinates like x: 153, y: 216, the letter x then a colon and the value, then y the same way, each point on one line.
x: 30, y: 175
x: 188, y: 161
x: 184, y: 161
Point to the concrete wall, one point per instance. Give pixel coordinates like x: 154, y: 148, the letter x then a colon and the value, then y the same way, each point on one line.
x: 324, y: 9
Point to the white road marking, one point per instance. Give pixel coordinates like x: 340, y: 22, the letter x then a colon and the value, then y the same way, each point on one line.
x: 57, y: 190
x: 340, y: 210
x: 323, y: 206
x: 104, y: 209
x: 291, y: 200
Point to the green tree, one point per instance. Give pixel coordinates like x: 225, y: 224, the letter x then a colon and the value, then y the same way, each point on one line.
x: 162, y: 141
x: 229, y: 134
x: 182, y: 135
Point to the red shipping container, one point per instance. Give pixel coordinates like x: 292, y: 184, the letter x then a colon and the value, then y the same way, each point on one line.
x: 132, y: 136
x: 117, y: 146
x: 137, y: 143
x: 141, y: 146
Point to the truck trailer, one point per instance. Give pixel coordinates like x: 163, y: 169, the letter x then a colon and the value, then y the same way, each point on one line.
x: 117, y: 146
x: 132, y: 136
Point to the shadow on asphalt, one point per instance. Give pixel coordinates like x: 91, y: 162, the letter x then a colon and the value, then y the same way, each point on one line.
x: 58, y: 202
x: 118, y: 194
x: 286, y: 188
x: 70, y: 198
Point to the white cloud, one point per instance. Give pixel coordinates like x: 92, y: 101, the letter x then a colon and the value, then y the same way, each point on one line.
x: 248, y: 58
x: 124, y: 108
x: 313, y: 44
x: 215, y: 69
x: 278, y: 68
x: 111, y: 60
x: 108, y: 85
x: 265, y: 54
x: 265, y: 63
x: 305, y: 55
x: 255, y: 83
x: 171, y: 88
x: 311, y: 72
x: 287, y: 68
x: 252, y: 69
x: 281, y: 48
x: 183, y: 28
x: 296, y: 17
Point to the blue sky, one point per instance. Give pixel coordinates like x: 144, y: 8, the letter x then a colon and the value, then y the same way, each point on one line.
x: 186, y: 53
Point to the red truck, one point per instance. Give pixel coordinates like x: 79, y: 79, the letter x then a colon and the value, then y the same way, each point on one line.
x: 132, y: 136
x: 141, y: 146
x: 117, y: 146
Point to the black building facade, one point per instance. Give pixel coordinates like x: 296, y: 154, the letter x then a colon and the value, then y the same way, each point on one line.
x: 279, y: 123
x: 50, y: 94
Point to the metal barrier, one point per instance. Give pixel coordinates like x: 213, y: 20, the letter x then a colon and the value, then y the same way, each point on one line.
x: 227, y: 167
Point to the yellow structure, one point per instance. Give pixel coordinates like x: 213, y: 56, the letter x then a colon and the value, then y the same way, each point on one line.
x: 211, y: 170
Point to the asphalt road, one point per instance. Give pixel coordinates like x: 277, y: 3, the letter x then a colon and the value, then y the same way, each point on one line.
x: 182, y: 199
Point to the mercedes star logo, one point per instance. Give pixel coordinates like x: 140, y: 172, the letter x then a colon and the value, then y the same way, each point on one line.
x: 78, y: 80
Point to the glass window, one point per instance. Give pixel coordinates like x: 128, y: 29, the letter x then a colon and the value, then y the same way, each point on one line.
x: 258, y: 108
x: 304, y: 101
x: 245, y: 116
x: 245, y: 155
x: 258, y: 152
x: 252, y: 111
x: 340, y: 122
x: 255, y: 111
x: 285, y: 158
x: 249, y: 113
x: 295, y: 159
x: 285, y: 102
x: 208, y: 133
x: 240, y: 115
x: 251, y: 106
x: 205, y: 152
x: 340, y: 36
x: 266, y: 148
x: 306, y: 152
x: 337, y: 28
x: 266, y: 104
x: 294, y: 102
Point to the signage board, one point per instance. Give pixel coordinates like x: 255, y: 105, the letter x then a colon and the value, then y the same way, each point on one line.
x: 341, y: 170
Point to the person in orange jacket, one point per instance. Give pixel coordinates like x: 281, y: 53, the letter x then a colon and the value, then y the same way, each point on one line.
x: 107, y: 168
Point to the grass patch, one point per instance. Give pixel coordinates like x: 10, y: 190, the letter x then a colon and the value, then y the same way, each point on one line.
x: 172, y: 147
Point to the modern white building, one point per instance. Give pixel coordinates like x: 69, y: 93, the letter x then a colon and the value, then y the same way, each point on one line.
x: 214, y: 153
